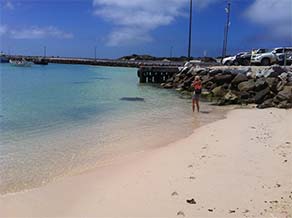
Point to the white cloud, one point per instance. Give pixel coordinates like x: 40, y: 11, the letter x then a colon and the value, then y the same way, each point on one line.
x: 8, y: 5
x: 35, y: 32
x: 275, y: 15
x: 3, y: 30
x: 134, y: 20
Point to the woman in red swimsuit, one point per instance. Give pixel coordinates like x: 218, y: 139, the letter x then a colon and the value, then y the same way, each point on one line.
x: 197, y: 84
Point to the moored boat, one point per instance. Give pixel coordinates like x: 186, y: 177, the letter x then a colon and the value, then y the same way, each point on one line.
x: 20, y: 63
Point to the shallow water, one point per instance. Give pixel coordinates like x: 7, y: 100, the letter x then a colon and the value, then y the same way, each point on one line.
x: 59, y: 120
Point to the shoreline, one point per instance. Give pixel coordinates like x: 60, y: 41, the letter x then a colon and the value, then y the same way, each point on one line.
x: 124, y: 151
x: 251, y: 170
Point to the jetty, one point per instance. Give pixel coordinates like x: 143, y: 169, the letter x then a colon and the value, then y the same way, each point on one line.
x: 156, y: 74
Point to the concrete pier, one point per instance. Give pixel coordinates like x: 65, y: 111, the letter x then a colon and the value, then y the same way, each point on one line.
x: 156, y: 74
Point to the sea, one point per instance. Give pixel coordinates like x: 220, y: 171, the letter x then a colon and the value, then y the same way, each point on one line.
x: 60, y: 120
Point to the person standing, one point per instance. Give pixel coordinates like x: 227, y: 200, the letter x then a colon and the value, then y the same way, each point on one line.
x: 197, y: 84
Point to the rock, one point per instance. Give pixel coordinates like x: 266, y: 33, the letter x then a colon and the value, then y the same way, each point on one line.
x: 132, y: 99
x: 285, y: 94
x: 239, y: 78
x: 219, y: 91
x: 231, y: 98
x: 284, y: 105
x: 278, y: 69
x: 261, y: 84
x: 221, y: 79
x: 207, y: 95
x: 284, y: 76
x: 168, y: 86
x: 280, y: 86
x: 191, y: 201
x: 180, y: 213
x: 260, y: 95
x: 214, y: 72
x: 272, y: 83
x: 266, y: 104
x: 239, y: 70
x: 246, y: 86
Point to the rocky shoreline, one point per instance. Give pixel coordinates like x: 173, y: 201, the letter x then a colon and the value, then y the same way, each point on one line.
x: 264, y: 86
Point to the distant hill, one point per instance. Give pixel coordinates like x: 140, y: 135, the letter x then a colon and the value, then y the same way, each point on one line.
x: 145, y: 57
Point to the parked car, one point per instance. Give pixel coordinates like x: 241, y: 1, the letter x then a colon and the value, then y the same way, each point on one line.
x: 276, y: 56
x: 242, y: 58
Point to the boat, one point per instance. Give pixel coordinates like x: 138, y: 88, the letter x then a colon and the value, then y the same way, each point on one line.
x: 41, y: 61
x: 20, y: 63
x: 3, y: 58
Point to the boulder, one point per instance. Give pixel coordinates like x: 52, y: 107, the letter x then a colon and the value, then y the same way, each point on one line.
x: 214, y: 72
x: 168, y: 86
x: 266, y: 104
x: 272, y: 83
x: 280, y: 86
x: 221, y: 79
x: 246, y: 86
x: 219, y: 91
x: 285, y: 94
x: 239, y: 78
x: 260, y: 95
x: 231, y: 97
x: 285, y: 105
x: 261, y: 84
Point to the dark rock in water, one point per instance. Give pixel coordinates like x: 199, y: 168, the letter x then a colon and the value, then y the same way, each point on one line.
x: 239, y: 78
x: 247, y: 86
x: 219, y: 91
x: 261, y: 84
x: 266, y: 104
x: 260, y: 96
x: 132, y: 99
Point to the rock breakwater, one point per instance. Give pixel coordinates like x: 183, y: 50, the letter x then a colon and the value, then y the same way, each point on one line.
x: 264, y: 86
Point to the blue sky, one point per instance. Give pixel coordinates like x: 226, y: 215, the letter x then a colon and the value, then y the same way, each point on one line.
x: 122, y: 27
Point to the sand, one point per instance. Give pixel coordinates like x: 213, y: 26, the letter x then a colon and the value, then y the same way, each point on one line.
x: 237, y: 167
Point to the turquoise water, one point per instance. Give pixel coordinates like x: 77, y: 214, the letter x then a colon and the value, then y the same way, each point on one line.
x: 59, y: 120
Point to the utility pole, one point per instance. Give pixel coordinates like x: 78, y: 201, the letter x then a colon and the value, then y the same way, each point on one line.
x: 226, y: 30
x: 171, y: 48
x: 190, y: 29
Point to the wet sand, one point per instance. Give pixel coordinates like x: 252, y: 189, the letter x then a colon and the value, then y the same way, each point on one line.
x: 237, y: 167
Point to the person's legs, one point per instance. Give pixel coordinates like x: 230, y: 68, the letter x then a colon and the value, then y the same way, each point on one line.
x: 193, y: 105
x: 197, y: 102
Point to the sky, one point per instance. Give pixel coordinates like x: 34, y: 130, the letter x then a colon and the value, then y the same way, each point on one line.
x: 73, y: 28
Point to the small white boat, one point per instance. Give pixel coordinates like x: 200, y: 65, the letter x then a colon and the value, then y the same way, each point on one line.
x: 20, y: 63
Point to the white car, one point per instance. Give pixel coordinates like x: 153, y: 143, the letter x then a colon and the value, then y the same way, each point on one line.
x: 274, y: 57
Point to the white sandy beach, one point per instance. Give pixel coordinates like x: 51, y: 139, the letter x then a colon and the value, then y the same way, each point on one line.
x: 237, y: 167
